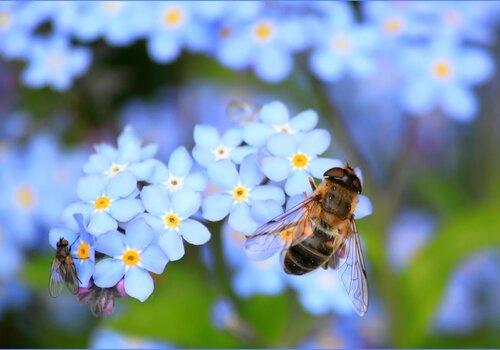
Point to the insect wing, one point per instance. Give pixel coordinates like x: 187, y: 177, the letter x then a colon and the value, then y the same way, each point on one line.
x: 281, y: 232
x: 56, y: 279
x: 71, y: 277
x: 350, y: 266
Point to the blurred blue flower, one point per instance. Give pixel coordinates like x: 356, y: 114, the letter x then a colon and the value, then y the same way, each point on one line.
x: 274, y: 119
x: 82, y: 246
x: 343, y: 47
x: 224, y: 315
x: 13, y: 256
x: 211, y: 147
x: 133, y: 255
x: 177, y: 175
x: 108, y: 339
x: 106, y: 202
x: 169, y: 214
x: 13, y: 295
x: 295, y: 157
x: 53, y: 62
x: 442, y: 75
x: 241, y: 195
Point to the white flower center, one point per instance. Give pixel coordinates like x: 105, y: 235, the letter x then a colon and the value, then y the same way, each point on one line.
x: 221, y: 152
x: 284, y: 128
x: 174, y: 183
x: 114, y: 169
x: 240, y: 193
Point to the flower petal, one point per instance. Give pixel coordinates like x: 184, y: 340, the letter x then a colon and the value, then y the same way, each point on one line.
x: 223, y: 174
x: 111, y: 243
x: 215, y: 207
x: 282, y: 145
x: 61, y: 232
x: 171, y: 243
x: 121, y: 185
x: 297, y: 183
x: 304, y: 121
x: 90, y: 187
x: 364, y: 207
x: 264, y: 211
x: 100, y: 223
x: 84, y: 269
x: 96, y: 164
x: 232, y: 138
x: 108, y: 272
x: 125, y: 209
x: 203, y: 156
x: 144, y: 170
x: 138, y: 234
x: 274, y: 113
x: 256, y: 134
x: 240, y: 219
x: 239, y: 153
x: 206, y: 136
x: 318, y: 166
x: 138, y: 283
x: 186, y: 202
x: 78, y: 207
x: 196, y: 181
x: 153, y: 259
x: 250, y: 173
x: 276, y: 169
x: 459, y: 103
x: 155, y: 199
x: 315, y: 142
x: 194, y: 232
x: 266, y: 192
x: 180, y: 162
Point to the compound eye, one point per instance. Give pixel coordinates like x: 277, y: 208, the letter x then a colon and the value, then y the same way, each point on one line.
x: 357, y: 185
x: 335, y: 172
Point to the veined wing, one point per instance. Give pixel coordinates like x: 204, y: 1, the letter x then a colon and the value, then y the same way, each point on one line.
x: 281, y: 232
x: 56, y: 280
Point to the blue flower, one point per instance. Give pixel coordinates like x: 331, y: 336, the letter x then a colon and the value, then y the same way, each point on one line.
x: 105, y: 203
x: 12, y: 253
x: 210, y: 147
x: 128, y: 158
x: 132, y: 255
x: 53, y: 62
x: 295, y: 157
x: 241, y: 195
x: 82, y: 248
x: 442, y: 75
x: 108, y: 339
x: 177, y: 175
x: 274, y: 119
x: 169, y: 214
x: 224, y: 315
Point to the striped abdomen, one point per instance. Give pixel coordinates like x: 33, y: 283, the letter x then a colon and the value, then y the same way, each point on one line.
x: 311, y: 253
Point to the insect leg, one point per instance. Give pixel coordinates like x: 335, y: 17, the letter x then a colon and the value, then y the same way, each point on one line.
x: 312, y: 183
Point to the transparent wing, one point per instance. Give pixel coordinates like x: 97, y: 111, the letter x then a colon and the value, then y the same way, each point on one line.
x: 56, y: 280
x: 71, y: 277
x: 281, y: 232
x: 350, y: 265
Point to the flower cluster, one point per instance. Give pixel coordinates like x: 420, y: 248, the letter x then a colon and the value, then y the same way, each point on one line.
x: 439, y: 69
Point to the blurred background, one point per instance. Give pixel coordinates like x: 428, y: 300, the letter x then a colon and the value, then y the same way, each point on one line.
x: 408, y: 90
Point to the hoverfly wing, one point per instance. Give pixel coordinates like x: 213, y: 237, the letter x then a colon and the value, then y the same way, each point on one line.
x: 350, y: 265
x: 56, y: 280
x: 71, y: 277
x: 281, y: 232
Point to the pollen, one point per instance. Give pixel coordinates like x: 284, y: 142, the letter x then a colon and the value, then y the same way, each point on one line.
x: 83, y: 251
x: 299, y: 161
x: 442, y: 69
x: 173, y: 17
x: 240, y: 193
x: 393, y: 25
x: 25, y: 197
x: 172, y: 220
x: 5, y: 19
x: 341, y: 43
x: 174, y: 183
x: 263, y: 31
x: 102, y: 203
x: 115, y: 169
x: 131, y: 257
x: 221, y: 152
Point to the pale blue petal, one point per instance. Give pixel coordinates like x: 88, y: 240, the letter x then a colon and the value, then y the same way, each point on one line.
x: 155, y: 199
x: 264, y: 211
x: 96, y: 164
x: 325, y: 65
x: 240, y: 219
x: 149, y: 151
x: 84, y: 269
x: 194, y: 232
x: 124, y: 210
x: 100, y: 223
x: 239, y: 153
x: 108, y: 272
x: 157, y: 223
x: 138, y: 283
x: 90, y: 187
x: 186, y: 202
x: 216, y: 206
x: 274, y: 113
x: 206, y: 136
x: 318, y: 166
x: 163, y: 48
x: 232, y: 138
x: 111, y: 243
x: 203, y: 156
x: 138, y: 234
x: 315, y: 142
x: 83, y: 208
x: 282, y: 145
x: 261, y: 193
x: 256, y: 134
x: 180, y: 162
x: 171, y: 243
x: 250, y: 174
x: 459, y: 103
x: 272, y: 64
x: 196, y: 181
x: 364, y: 207
x: 304, y: 121
x: 144, y: 170
x: 153, y: 259
x: 297, y: 183
x: 276, y: 169
x: 475, y: 66
x: 121, y: 185
x: 61, y: 232
x: 295, y: 200
x: 223, y: 174
x: 159, y: 173
x: 418, y: 97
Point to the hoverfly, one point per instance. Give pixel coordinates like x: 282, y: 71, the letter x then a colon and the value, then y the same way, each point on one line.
x: 320, y: 231
x: 63, y: 270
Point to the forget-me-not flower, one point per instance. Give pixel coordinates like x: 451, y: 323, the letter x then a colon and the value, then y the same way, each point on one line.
x: 133, y: 255
x: 274, y: 118
x: 169, y: 214
x: 241, y: 195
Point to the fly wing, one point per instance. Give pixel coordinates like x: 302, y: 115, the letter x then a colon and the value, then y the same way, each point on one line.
x: 56, y: 280
x: 350, y: 265
x: 281, y: 232
x: 71, y: 277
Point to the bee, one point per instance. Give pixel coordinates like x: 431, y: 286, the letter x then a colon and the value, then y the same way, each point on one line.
x: 320, y: 232
x: 63, y: 270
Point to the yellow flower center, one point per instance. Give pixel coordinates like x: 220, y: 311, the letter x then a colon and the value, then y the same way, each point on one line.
x: 442, y: 69
x: 115, y: 169
x: 102, y: 203
x: 112, y: 6
x: 172, y: 220
x: 83, y: 251
x: 300, y: 161
x: 173, y: 17
x: 131, y: 257
x: 221, y: 152
x: 393, y: 25
x: 25, y: 196
x: 263, y: 31
x: 225, y: 31
x: 341, y: 43
x: 5, y: 19
x: 240, y: 193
